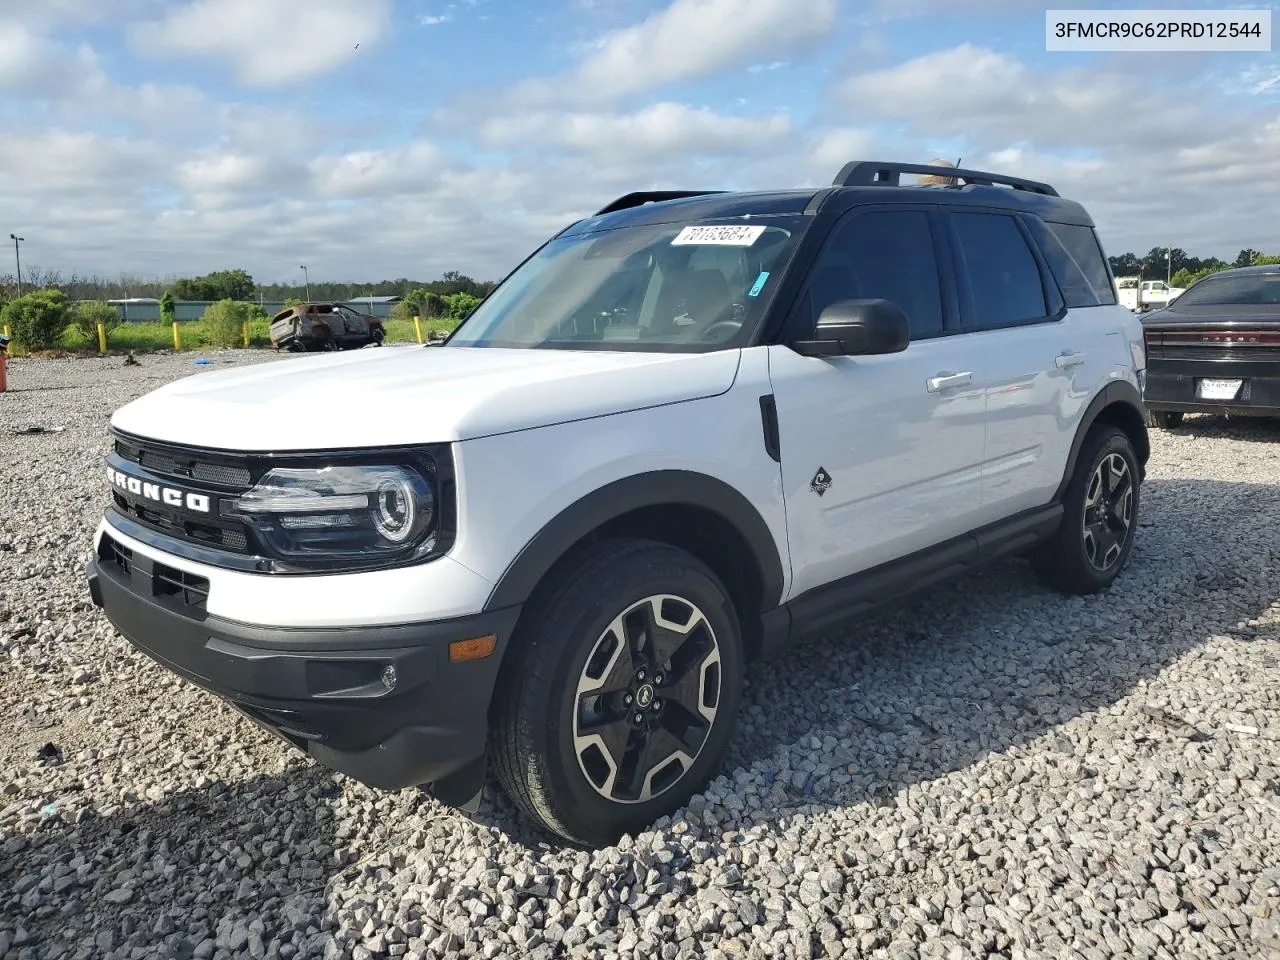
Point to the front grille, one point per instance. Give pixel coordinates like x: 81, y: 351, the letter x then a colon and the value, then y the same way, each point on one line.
x: 184, y: 593
x: 221, y: 474
x: 190, y: 590
x: 115, y: 554
x: 184, y: 464
x: 217, y: 476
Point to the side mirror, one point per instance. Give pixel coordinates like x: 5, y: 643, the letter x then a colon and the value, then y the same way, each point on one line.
x: 857, y: 328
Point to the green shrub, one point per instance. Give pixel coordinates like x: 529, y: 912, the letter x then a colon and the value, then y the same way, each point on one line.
x: 403, y: 312
x: 459, y: 305
x: 86, y: 316
x: 166, y: 308
x: 37, y: 319
x: 224, y: 322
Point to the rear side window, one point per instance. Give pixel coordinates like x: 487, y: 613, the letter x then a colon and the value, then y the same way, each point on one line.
x: 1076, y: 260
x: 885, y: 255
x: 1002, y: 273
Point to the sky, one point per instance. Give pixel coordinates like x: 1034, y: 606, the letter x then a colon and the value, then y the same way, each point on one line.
x: 375, y: 139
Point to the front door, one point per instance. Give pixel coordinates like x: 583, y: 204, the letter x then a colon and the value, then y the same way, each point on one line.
x: 881, y: 455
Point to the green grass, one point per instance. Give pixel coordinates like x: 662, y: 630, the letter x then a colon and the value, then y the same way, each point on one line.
x: 149, y: 337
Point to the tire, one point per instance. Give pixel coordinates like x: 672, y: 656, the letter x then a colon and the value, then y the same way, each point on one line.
x: 1085, y: 555
x: 566, y: 671
x: 1164, y: 419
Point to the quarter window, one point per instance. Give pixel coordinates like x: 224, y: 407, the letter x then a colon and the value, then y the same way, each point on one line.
x: 1076, y: 260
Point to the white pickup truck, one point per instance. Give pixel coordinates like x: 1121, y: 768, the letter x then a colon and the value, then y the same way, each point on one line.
x: 1141, y: 295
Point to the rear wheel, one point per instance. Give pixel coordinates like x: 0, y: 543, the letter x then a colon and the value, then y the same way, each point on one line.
x: 1164, y: 419
x: 1099, y: 519
x: 622, y: 692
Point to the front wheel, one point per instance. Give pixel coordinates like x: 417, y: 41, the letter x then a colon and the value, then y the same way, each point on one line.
x: 622, y: 692
x: 1100, y: 516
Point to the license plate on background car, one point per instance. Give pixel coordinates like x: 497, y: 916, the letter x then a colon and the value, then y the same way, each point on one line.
x: 1219, y: 389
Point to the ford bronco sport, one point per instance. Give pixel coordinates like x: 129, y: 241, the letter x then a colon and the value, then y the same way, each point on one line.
x: 682, y: 432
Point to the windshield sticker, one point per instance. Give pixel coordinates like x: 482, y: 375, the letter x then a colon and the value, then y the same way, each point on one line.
x: 759, y: 284
x: 729, y: 235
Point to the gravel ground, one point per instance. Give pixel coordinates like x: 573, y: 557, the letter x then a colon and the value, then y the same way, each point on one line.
x: 989, y: 770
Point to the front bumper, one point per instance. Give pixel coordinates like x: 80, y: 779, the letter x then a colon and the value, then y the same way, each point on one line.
x: 383, y: 705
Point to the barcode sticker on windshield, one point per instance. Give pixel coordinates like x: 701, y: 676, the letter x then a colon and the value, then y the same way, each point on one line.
x: 730, y: 235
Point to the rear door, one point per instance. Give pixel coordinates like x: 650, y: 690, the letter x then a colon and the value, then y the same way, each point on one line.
x: 1042, y: 362
x: 881, y: 455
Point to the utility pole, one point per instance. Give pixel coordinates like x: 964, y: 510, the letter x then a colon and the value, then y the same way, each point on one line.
x: 307, y: 277
x: 17, y: 259
x: 1168, y: 254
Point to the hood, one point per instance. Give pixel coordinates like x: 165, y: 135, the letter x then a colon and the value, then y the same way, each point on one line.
x: 405, y: 395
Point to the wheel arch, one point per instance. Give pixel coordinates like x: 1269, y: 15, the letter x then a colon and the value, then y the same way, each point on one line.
x: 1118, y: 404
x: 693, y: 511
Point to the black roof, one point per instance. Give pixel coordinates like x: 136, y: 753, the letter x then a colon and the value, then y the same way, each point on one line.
x: 1260, y: 268
x: 859, y: 182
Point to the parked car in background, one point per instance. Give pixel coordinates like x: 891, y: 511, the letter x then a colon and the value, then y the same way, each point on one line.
x: 1217, y: 350
x: 1142, y: 295
x: 308, y: 327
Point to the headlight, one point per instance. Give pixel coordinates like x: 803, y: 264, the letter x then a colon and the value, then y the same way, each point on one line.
x: 347, y: 515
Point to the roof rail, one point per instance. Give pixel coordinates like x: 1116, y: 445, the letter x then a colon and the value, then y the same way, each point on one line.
x: 869, y: 173
x: 651, y: 196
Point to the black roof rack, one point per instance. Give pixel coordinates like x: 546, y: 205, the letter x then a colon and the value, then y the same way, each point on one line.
x: 651, y: 196
x: 869, y: 173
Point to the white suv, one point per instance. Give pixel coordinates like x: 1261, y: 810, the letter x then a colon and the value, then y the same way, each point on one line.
x: 682, y: 432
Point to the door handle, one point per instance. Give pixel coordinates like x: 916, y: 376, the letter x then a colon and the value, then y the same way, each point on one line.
x: 944, y: 381
x: 1068, y: 359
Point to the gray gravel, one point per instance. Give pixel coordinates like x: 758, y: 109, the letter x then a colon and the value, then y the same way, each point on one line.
x: 988, y: 770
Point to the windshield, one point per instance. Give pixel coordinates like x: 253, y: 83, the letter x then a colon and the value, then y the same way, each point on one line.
x: 1239, y: 289
x: 661, y: 287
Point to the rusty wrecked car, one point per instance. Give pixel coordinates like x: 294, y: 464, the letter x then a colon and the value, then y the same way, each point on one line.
x: 309, y: 327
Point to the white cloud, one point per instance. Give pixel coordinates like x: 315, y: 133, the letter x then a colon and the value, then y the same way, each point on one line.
x: 365, y: 173
x: 830, y: 151
x: 39, y: 13
x: 1147, y: 163
x: 268, y: 42
x: 61, y: 163
x: 909, y: 9
x: 974, y: 91
x: 36, y: 67
x: 664, y: 131
x: 686, y: 40
x: 433, y: 21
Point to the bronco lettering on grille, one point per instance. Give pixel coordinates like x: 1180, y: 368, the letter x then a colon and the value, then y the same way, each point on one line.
x: 169, y: 496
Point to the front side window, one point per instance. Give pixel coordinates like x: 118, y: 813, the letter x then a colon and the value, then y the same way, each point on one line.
x: 1003, y: 277
x: 885, y: 255
x: 685, y: 287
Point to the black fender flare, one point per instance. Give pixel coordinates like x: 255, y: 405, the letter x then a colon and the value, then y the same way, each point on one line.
x: 1120, y: 392
x: 613, y: 500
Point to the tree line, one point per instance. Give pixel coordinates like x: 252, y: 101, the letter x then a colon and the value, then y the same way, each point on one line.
x: 1181, y: 268
x: 234, y: 284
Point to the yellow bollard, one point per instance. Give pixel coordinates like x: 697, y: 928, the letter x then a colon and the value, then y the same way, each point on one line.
x: 417, y: 325
x: 177, y: 337
x: 102, y: 339
x: 246, y: 333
